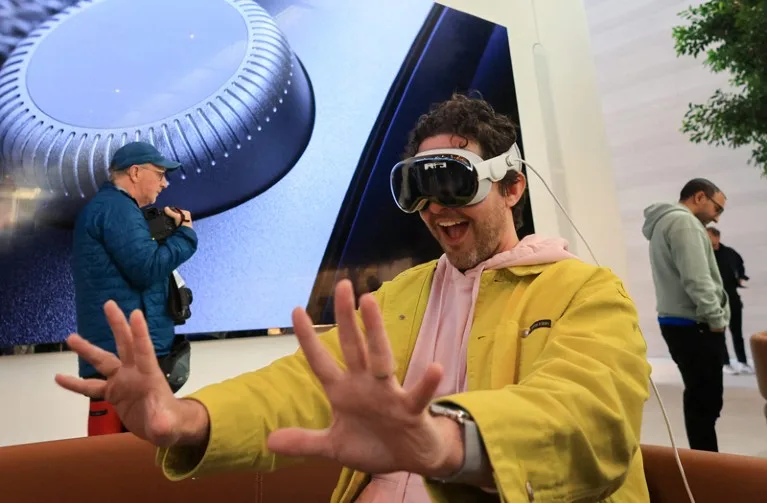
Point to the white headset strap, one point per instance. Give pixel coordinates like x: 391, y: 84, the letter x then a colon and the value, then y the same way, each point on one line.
x: 494, y: 169
x: 473, y: 158
x: 497, y: 167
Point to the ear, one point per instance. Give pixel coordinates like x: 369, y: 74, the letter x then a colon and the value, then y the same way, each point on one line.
x: 514, y: 192
x: 133, y: 172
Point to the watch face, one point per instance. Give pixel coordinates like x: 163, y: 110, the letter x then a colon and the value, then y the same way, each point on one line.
x: 453, y: 412
x: 216, y: 87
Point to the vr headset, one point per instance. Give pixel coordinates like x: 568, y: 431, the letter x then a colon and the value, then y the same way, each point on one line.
x: 451, y: 177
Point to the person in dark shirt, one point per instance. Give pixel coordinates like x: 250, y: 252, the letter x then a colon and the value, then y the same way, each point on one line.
x: 733, y: 272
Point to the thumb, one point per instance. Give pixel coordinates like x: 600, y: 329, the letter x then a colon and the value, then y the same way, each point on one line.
x: 300, y: 442
x: 419, y: 397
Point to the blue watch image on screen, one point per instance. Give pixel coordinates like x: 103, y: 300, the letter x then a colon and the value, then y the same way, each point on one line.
x: 214, y: 85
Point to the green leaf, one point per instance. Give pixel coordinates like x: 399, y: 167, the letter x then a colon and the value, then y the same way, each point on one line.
x: 731, y: 35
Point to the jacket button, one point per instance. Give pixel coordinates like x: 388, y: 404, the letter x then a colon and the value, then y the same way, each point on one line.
x: 402, y: 316
x: 530, y: 493
x: 525, y: 332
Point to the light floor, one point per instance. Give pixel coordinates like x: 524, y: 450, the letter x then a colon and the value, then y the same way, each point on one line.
x: 39, y: 411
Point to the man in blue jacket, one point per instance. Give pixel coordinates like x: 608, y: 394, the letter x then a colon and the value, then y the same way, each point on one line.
x: 115, y: 258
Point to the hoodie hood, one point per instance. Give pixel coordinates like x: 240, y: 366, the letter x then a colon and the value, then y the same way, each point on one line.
x: 531, y: 250
x: 653, y: 214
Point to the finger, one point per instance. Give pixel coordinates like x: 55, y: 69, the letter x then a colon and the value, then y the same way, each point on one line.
x: 300, y: 442
x: 419, y: 397
x: 104, y: 362
x: 320, y: 361
x: 175, y: 216
x: 379, y: 349
x: 121, y: 331
x: 145, y: 357
x: 349, y: 333
x: 93, y: 388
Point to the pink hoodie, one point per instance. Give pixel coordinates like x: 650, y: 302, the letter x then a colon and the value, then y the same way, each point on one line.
x: 446, y: 326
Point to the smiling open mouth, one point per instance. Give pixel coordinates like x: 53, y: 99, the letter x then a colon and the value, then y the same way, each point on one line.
x: 453, y: 231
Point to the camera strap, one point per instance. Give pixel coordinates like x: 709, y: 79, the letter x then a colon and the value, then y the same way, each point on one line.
x: 179, y: 280
x: 183, y: 216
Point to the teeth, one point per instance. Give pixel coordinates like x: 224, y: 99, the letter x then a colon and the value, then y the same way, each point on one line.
x: 449, y: 223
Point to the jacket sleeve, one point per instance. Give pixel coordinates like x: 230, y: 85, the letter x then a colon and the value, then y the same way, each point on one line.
x: 569, y: 430
x: 689, y: 247
x: 243, y: 411
x: 740, y: 266
x: 140, y: 259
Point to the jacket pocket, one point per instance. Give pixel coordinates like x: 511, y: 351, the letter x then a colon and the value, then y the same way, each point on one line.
x: 533, y: 338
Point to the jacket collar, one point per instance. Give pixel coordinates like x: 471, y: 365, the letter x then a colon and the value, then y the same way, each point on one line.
x: 519, y: 271
x: 110, y: 186
x: 509, y: 273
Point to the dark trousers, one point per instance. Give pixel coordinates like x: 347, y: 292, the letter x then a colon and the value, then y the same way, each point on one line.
x: 697, y: 352
x: 736, y: 330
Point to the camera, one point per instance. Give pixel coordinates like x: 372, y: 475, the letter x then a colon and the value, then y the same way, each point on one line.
x: 160, y: 225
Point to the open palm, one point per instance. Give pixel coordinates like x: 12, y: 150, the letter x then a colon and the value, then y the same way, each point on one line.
x: 134, y: 385
x: 378, y: 426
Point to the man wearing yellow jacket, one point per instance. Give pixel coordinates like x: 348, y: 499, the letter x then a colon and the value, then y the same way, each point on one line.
x: 506, y: 370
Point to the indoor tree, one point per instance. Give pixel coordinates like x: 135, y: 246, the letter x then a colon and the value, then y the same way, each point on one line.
x: 733, y: 36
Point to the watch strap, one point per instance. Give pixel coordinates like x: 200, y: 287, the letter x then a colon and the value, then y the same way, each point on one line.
x: 475, y: 459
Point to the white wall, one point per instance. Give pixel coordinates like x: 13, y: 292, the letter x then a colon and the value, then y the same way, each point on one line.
x: 618, y: 56
x: 645, y: 90
x: 561, y: 121
x: 33, y: 408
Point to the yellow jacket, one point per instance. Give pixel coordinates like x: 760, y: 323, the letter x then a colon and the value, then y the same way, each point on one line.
x: 559, y: 407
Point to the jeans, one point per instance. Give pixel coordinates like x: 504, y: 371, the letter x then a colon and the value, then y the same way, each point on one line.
x: 697, y: 352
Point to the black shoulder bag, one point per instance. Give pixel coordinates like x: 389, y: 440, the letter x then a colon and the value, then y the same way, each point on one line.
x: 177, y: 363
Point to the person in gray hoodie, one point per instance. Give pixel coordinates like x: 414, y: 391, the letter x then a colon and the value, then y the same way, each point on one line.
x: 691, y: 301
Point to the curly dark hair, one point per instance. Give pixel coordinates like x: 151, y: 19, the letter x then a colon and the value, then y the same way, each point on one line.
x: 471, y: 119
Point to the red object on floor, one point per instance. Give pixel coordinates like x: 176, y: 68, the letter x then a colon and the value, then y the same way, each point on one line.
x: 103, y: 419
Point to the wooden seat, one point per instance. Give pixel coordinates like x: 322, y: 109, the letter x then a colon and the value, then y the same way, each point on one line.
x: 121, y: 469
x: 759, y: 353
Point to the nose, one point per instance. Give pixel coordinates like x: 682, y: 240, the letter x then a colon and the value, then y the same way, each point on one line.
x: 164, y: 183
x: 433, y: 207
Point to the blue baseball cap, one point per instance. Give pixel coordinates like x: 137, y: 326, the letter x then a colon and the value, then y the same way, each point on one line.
x: 139, y: 152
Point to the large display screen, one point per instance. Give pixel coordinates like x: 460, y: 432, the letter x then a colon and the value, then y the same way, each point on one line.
x: 286, y: 115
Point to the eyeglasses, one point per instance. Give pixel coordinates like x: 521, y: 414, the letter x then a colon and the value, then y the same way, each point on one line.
x: 160, y: 174
x: 719, y: 207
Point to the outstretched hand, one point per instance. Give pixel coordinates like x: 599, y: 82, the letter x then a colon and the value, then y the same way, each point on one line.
x: 378, y: 427
x: 134, y: 385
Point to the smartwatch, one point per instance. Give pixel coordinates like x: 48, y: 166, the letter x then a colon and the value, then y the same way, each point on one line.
x: 474, y: 454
